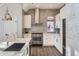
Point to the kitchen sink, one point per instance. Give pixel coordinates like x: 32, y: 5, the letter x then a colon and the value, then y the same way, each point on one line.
x: 15, y: 47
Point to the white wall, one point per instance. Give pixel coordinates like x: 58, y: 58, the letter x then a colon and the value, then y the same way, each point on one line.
x: 73, y: 29
x: 14, y: 26
x: 70, y: 12
x: 1, y: 27
x: 65, y: 12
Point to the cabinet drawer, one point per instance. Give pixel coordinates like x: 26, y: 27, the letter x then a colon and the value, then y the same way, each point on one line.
x: 48, y: 39
x: 47, y: 43
x: 27, y: 35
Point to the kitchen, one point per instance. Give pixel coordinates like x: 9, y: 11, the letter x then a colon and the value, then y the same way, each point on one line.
x: 42, y: 26
x: 35, y: 29
x: 31, y: 23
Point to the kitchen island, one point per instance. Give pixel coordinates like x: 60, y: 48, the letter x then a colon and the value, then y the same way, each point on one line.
x: 23, y: 52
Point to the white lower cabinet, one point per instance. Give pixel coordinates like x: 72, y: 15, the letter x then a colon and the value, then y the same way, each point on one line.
x: 58, y: 42
x: 27, y: 35
x: 25, y: 51
x: 52, y: 39
x: 48, y: 39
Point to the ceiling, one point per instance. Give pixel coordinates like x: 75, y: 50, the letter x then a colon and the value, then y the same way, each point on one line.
x: 27, y: 6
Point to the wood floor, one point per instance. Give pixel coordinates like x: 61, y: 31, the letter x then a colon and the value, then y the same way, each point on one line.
x: 44, y: 51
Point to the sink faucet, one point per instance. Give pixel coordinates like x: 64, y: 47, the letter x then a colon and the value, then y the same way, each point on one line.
x: 7, y: 37
x: 14, y: 37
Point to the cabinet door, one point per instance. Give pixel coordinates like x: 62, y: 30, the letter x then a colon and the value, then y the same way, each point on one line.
x: 58, y: 42
x: 27, y: 35
x: 57, y: 20
x: 27, y: 21
x: 48, y: 40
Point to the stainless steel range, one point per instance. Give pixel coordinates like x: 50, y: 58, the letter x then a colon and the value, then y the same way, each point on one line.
x: 37, y: 39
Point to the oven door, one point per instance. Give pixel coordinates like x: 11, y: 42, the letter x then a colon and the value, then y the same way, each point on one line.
x: 37, y: 39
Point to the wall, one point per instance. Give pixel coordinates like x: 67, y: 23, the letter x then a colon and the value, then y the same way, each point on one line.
x: 14, y: 26
x: 72, y: 23
x: 70, y: 12
x: 44, y: 13
x: 65, y: 14
x: 32, y: 13
x: 1, y: 29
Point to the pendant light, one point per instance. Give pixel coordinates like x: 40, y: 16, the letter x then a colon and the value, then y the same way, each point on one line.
x: 7, y: 15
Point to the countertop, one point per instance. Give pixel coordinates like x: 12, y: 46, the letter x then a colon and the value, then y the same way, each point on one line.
x: 17, y: 40
x: 15, y: 53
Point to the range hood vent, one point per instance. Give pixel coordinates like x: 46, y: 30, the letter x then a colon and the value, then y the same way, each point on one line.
x: 37, y: 19
x: 36, y: 15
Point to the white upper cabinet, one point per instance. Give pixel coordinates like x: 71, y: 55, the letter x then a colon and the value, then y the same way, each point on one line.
x: 27, y: 21
x: 57, y: 21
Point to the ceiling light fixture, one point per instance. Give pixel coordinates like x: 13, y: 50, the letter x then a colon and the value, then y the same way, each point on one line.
x: 7, y: 15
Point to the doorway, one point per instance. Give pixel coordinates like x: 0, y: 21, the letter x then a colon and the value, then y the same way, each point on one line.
x: 64, y: 36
